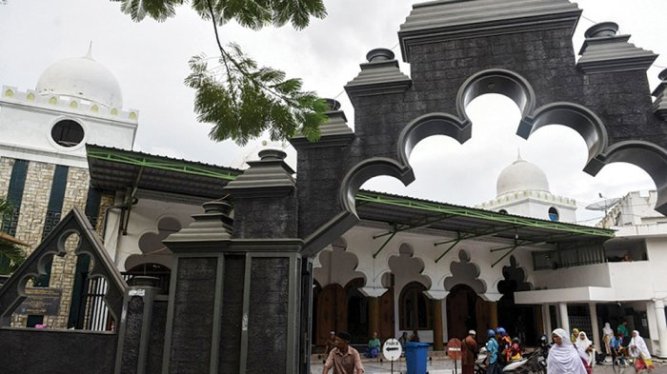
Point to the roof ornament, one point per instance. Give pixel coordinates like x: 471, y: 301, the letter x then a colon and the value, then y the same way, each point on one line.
x: 89, y: 55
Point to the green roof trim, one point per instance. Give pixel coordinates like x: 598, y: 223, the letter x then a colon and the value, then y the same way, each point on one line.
x: 433, y: 207
x: 161, y: 163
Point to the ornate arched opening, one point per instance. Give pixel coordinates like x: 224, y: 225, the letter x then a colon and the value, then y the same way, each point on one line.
x: 414, y: 311
x: 465, y: 311
x: 522, y: 321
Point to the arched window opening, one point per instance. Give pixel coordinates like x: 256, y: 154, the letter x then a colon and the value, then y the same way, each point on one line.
x: 414, y: 312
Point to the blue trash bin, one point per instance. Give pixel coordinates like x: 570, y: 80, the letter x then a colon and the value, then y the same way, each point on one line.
x: 416, y: 357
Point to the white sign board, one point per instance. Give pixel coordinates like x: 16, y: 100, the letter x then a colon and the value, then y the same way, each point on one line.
x: 392, y: 349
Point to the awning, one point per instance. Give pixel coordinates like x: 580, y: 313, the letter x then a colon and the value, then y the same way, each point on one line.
x: 114, y: 169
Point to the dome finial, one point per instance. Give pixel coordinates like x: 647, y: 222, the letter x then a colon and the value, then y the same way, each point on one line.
x: 518, y: 153
x: 90, y: 50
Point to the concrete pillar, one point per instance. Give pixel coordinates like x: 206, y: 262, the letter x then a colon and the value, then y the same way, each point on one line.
x: 135, y: 326
x: 546, y: 320
x: 595, y: 327
x: 564, y: 317
x: 374, y: 316
x: 659, y: 306
x: 437, y: 325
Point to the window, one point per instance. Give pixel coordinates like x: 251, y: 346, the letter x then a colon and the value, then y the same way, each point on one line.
x: 415, y: 312
x: 553, y: 214
x: 67, y: 133
x: 502, y: 211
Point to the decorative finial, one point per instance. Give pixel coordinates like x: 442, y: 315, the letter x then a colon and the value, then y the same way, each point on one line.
x: 333, y: 104
x: 90, y: 50
x: 380, y: 54
x: 663, y: 75
x: 518, y: 154
x: 602, y: 29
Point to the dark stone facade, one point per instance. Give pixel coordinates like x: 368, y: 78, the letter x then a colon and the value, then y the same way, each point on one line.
x: 57, y: 351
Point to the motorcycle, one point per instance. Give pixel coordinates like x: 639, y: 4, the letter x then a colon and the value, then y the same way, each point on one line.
x: 480, y: 362
x: 533, y: 362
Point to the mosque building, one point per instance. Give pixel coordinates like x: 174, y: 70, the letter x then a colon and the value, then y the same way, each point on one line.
x: 518, y: 260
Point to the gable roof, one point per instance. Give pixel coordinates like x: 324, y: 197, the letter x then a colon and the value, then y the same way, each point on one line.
x: 12, y: 292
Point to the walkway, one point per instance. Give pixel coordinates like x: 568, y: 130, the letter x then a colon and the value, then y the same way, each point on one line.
x: 447, y: 367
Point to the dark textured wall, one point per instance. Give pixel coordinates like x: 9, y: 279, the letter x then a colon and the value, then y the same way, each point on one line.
x: 230, y: 341
x: 156, y: 339
x: 267, y: 327
x: 264, y: 218
x: 545, y: 58
x: 193, y: 316
x: 133, y: 320
x: 28, y: 351
x: 623, y: 101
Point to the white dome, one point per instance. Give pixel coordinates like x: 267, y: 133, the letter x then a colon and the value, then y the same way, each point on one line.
x: 521, y: 176
x: 82, y: 78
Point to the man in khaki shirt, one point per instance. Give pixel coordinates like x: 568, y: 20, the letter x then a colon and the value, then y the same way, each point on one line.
x: 343, y: 359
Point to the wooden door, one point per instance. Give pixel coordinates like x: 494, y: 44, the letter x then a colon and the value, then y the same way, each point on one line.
x: 331, y: 312
x: 386, y: 322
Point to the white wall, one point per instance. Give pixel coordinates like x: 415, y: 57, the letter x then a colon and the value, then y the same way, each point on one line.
x: 143, y: 219
x: 26, y: 130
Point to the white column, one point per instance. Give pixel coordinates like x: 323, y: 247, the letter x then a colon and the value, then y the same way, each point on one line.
x: 564, y: 317
x: 546, y: 320
x: 595, y: 327
x: 662, y: 327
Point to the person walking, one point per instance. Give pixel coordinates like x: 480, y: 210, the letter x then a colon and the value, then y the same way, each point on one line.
x: 586, y: 345
x: 492, y: 353
x: 564, y: 357
x: 639, y: 351
x: 344, y: 359
x: 469, y: 353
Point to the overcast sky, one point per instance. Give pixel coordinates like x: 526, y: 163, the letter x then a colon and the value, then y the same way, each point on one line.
x: 149, y: 59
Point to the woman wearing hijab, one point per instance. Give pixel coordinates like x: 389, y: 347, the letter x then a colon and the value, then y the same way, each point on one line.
x: 563, y: 357
x: 585, y: 345
x: 639, y: 351
x: 608, y: 333
x: 575, y: 335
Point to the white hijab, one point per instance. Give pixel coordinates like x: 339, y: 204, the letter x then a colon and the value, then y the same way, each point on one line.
x: 606, y: 330
x: 584, y: 343
x: 564, y: 358
x: 640, y: 346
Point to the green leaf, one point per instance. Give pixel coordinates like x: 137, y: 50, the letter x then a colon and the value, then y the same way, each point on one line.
x: 159, y: 10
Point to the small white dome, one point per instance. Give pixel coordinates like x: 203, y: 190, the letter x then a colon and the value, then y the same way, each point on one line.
x: 82, y: 78
x: 521, y: 176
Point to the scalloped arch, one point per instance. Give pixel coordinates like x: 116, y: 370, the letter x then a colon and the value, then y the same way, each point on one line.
x: 431, y: 124
x: 648, y: 156
x: 577, y: 117
x: 366, y: 170
x: 500, y: 81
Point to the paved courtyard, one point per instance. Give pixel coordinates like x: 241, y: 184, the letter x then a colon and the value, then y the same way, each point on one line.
x: 447, y: 367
